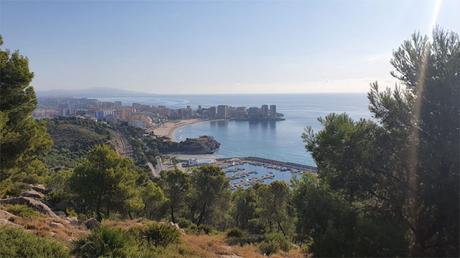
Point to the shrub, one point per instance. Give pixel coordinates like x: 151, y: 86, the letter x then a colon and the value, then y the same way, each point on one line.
x: 204, y: 229
x: 245, y: 239
x: 269, y: 247
x: 22, y: 211
x: 105, y: 242
x: 184, y: 223
x: 19, y: 243
x: 279, y: 239
x: 255, y: 226
x: 160, y: 234
x: 234, y: 232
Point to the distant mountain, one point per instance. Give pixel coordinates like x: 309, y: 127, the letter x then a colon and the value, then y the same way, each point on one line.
x: 92, y: 93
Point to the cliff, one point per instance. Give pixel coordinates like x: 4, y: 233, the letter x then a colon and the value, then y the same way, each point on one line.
x: 200, y: 145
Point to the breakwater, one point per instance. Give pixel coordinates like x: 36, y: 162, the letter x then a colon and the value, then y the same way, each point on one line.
x: 288, y: 165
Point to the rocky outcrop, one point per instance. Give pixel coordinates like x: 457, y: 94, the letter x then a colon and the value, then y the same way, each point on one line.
x: 200, y: 145
x: 91, y: 223
x: 33, y: 194
x: 32, y: 203
x: 39, y: 188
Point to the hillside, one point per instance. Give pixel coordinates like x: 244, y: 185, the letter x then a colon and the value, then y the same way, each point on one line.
x: 74, y: 137
x: 29, y: 217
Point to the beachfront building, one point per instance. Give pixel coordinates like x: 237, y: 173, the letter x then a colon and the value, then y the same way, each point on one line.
x: 272, y: 112
x: 222, y: 112
x: 140, y: 121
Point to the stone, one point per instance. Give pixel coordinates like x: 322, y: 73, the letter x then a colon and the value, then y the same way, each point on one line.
x: 60, y: 214
x: 32, y: 203
x: 73, y: 220
x: 33, y: 194
x: 6, y: 215
x: 39, y: 188
x: 91, y: 223
x: 5, y: 222
x: 56, y: 225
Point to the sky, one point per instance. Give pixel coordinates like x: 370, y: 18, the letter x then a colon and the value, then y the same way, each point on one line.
x: 217, y: 47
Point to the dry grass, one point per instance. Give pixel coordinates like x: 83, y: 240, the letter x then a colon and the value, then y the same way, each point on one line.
x: 56, y: 228
x: 216, y: 246
x: 191, y: 245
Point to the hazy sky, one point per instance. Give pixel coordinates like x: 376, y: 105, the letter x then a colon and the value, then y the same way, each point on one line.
x: 217, y: 46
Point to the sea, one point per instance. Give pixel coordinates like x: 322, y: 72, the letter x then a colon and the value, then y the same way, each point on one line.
x: 280, y: 140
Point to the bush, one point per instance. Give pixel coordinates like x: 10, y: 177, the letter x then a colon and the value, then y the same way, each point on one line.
x: 204, y: 229
x: 273, y: 242
x: 160, y: 234
x: 255, y: 226
x: 19, y: 243
x: 22, y: 211
x: 279, y: 239
x: 269, y: 247
x: 245, y: 239
x: 103, y: 242
x: 184, y: 223
x: 234, y: 232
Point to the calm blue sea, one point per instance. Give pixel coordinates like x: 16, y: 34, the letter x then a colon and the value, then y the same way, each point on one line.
x: 273, y: 140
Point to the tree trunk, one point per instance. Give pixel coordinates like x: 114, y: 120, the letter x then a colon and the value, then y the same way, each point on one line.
x: 173, y: 219
x: 203, y: 211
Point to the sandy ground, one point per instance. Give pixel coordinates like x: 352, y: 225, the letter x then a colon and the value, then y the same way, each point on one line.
x: 167, y: 129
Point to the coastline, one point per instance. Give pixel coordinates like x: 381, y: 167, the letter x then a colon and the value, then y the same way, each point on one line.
x: 167, y: 129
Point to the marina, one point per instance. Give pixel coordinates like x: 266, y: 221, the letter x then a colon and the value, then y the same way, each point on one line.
x: 245, y: 172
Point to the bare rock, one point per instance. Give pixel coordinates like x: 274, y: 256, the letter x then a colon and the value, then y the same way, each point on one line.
x: 91, y: 223
x: 60, y: 214
x: 33, y: 194
x: 5, y: 222
x: 32, y: 203
x: 56, y: 225
x: 73, y: 220
x: 6, y: 215
x: 39, y: 188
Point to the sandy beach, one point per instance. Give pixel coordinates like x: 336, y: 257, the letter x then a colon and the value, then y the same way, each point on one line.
x: 167, y: 129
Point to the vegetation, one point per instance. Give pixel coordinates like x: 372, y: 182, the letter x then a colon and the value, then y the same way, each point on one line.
x: 105, y: 182
x: 22, y: 211
x: 159, y: 234
x: 73, y: 138
x: 18, y: 243
x: 398, y: 173
x: 21, y: 137
x: 386, y: 186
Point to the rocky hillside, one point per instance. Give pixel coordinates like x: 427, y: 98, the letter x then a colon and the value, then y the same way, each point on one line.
x: 30, y: 213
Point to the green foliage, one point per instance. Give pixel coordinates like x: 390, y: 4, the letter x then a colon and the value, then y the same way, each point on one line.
x: 19, y: 243
x: 104, y: 182
x: 155, y: 202
x: 234, y: 232
x: 22, y: 211
x: 274, y: 207
x: 58, y: 183
x: 73, y: 138
x: 21, y: 137
x: 147, y: 241
x: 176, y: 185
x: 245, y: 207
x: 159, y: 234
x: 280, y: 240
x: 269, y: 247
x: 210, y: 195
x: 396, y: 174
x: 104, y: 242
